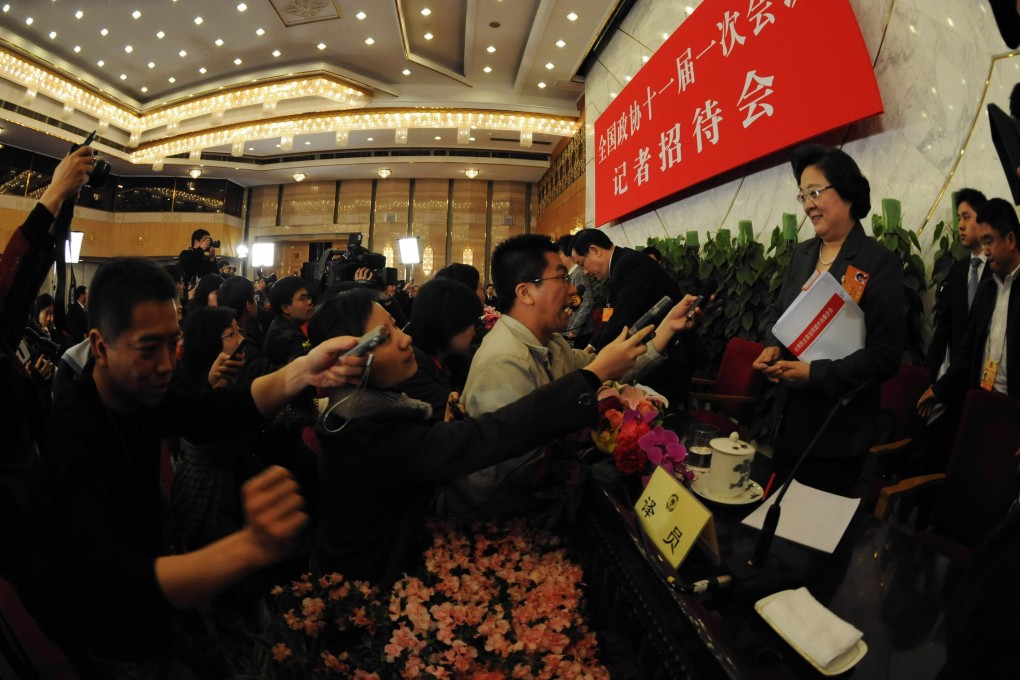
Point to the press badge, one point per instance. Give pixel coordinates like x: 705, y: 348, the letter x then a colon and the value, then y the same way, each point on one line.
x: 854, y: 282
x: 607, y: 314
x: 988, y: 374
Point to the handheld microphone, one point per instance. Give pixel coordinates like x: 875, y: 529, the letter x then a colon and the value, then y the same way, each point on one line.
x: 657, y: 310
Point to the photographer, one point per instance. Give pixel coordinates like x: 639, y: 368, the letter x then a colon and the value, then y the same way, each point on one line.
x: 200, y: 258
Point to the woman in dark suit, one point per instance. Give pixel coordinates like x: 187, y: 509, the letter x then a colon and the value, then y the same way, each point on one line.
x: 836, y: 196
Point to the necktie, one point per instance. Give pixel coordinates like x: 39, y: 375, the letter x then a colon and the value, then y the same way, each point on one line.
x: 972, y: 281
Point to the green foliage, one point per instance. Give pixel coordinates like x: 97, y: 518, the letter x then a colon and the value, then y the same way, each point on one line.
x: 948, y: 250
x: 888, y: 229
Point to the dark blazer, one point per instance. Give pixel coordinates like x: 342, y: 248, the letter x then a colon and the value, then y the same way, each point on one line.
x: 953, y: 315
x: 884, y: 306
x: 965, y: 365
x: 77, y: 323
x: 284, y: 341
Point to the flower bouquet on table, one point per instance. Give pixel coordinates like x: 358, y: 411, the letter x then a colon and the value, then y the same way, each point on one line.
x: 489, y: 317
x: 631, y: 434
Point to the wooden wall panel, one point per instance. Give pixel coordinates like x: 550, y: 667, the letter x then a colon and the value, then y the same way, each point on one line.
x: 431, y: 208
x: 468, y: 226
x: 565, y: 213
x: 308, y: 203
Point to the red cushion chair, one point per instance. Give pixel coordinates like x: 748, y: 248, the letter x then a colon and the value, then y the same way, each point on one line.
x: 728, y: 401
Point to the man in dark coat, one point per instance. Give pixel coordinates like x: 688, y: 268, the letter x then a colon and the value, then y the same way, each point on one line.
x: 77, y: 316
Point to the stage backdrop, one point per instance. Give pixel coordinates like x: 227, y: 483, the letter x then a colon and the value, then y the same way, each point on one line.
x: 737, y: 80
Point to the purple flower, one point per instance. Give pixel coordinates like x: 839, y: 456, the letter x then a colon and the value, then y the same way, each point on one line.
x: 664, y: 449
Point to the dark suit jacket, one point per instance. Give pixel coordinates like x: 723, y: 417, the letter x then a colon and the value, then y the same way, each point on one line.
x: 77, y: 323
x: 884, y: 306
x: 965, y: 365
x: 953, y: 315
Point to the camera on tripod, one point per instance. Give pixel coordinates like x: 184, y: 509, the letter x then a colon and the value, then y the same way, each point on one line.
x: 343, y: 268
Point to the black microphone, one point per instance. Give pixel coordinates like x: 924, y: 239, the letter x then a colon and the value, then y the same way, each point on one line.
x: 758, y: 574
x: 657, y: 310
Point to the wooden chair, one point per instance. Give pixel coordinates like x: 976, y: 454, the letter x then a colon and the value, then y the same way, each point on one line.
x: 981, y: 482
x: 730, y: 396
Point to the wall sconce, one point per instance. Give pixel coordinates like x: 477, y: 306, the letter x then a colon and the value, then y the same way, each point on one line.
x: 299, y: 176
x: 195, y: 173
x: 384, y: 172
x: 468, y: 256
x: 471, y: 173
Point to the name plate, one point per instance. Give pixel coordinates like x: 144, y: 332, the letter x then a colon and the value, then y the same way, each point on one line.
x: 673, y: 518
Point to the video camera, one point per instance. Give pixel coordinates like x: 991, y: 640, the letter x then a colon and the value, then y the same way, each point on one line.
x: 330, y: 270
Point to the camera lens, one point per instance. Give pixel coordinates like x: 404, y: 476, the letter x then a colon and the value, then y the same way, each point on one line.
x: 215, y: 244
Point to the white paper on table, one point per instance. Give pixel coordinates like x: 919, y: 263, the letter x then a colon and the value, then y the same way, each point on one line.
x: 811, y: 517
x: 823, y: 322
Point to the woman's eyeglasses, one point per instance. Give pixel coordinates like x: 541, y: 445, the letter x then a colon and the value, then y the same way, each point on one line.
x: 813, y: 194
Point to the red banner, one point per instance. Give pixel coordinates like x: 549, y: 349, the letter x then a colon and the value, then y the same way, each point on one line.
x: 739, y: 79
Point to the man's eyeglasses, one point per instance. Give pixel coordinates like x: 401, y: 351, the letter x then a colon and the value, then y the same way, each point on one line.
x: 813, y: 194
x: 304, y: 298
x: 231, y: 333
x: 561, y: 277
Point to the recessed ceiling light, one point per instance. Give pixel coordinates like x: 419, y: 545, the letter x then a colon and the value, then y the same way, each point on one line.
x: 242, y: 7
x: 490, y: 49
x: 277, y: 53
x: 260, y: 31
x: 151, y: 64
x: 251, y: 148
x: 471, y: 139
x: 541, y: 85
x: 277, y: 146
x: 219, y: 42
x: 202, y: 70
x: 136, y: 14
x: 78, y: 15
x: 77, y: 48
x: 425, y: 11
x: 438, y: 138
x: 100, y: 63
x: 406, y: 71
x: 572, y: 16
x: 238, y: 61
x: 369, y: 41
x: 7, y: 8
x: 31, y: 21
x: 53, y: 35
x: 160, y: 34
x: 361, y: 16
x: 123, y: 76
x: 145, y: 89
x: 307, y: 144
x: 487, y: 69
x: 560, y: 43
x: 370, y: 139
x: 428, y: 36
x: 171, y: 79
x: 321, y: 46
x: 550, y: 66
x: 128, y: 49
x: 198, y: 21
x: 183, y: 53
x: 102, y: 31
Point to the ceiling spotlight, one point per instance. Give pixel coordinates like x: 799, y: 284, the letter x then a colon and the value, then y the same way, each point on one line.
x: 406, y: 71
x: 136, y: 14
x: 321, y: 46
x: 361, y: 16
x: 151, y: 64
x: 128, y: 49
x: 53, y: 35
x: 183, y: 53
x: 202, y: 70
x: 219, y: 42
x: 384, y: 172
x: 237, y: 61
x: 195, y: 173
x: 560, y: 43
x: 198, y: 21
x: 541, y: 86
x: 572, y: 16
x: 298, y: 176
x: 490, y: 49
x: 79, y: 14
x: 160, y: 34
x: 260, y: 31
x: 428, y: 36
x: 242, y: 7
x: 77, y: 48
x: 426, y: 11
x: 487, y: 69
x: 369, y: 41
x: 31, y: 21
x: 550, y: 66
x: 471, y: 173
x: 103, y: 31
x: 277, y: 53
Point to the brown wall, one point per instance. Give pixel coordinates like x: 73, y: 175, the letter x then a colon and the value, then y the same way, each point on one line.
x: 565, y: 212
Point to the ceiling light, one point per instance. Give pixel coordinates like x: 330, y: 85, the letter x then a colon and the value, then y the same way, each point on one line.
x: 299, y: 176
x: 198, y: 21
x: 471, y: 173
x: 77, y: 48
x: 428, y: 36
x: 251, y: 148
x: 471, y: 139
x: 30, y: 21
x: 425, y: 11
x: 560, y: 43
x: 487, y: 69
x: 123, y: 76
x: 277, y: 53
x: 550, y: 66
x: 308, y: 143
x: 541, y: 86
x: 237, y: 61
x: 321, y: 46
x: 572, y: 16
x: 128, y: 49
x: 145, y: 89
x: 361, y: 16
x: 7, y: 8
x: 438, y: 138
x: 136, y: 14
x: 369, y: 41
x: 100, y: 63
x: 406, y: 71
x: 260, y: 31
x: 171, y: 80
x: 79, y: 14
x: 689, y: 10
x: 242, y: 7
x: 195, y: 173
x: 490, y: 49
x: 202, y: 70
x: 665, y: 36
x: 384, y: 172
x: 645, y: 58
x: 183, y: 53
x: 160, y: 34
x: 151, y: 64
x: 53, y: 35
x: 370, y: 139
x: 102, y: 31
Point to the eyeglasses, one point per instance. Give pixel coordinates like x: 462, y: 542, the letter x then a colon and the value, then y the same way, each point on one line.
x: 813, y: 194
x: 231, y: 333
x: 304, y: 298
x: 561, y: 277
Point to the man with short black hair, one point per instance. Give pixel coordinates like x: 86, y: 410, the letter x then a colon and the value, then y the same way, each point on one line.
x: 77, y: 316
x: 581, y: 325
x: 199, y: 259
x: 292, y: 307
x: 125, y: 575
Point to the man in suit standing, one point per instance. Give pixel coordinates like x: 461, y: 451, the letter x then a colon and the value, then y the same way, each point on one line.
x: 634, y: 283
x: 77, y: 316
x: 957, y: 294
x: 990, y: 344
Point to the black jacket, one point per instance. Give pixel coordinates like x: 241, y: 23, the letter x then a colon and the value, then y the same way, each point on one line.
x: 953, y: 315
x: 77, y: 323
x: 284, y: 341
x: 195, y: 264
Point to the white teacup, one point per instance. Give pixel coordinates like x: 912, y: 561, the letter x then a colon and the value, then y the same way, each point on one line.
x: 731, y: 466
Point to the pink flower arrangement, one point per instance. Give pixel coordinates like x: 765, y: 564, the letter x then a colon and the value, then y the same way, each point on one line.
x: 489, y: 317
x: 631, y: 434
x: 497, y: 602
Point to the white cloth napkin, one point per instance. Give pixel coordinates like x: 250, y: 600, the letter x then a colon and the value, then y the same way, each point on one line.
x: 809, y: 626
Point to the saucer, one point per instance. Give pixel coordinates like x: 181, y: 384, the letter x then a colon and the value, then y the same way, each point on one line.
x: 751, y: 494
